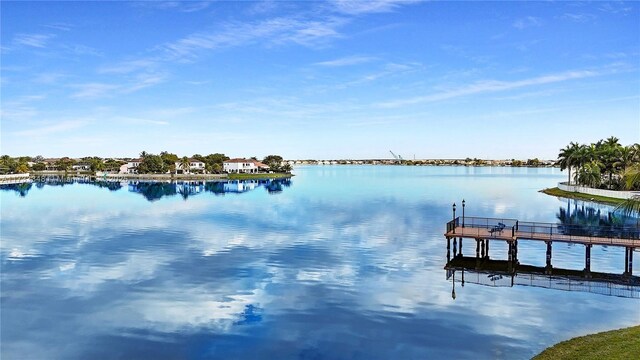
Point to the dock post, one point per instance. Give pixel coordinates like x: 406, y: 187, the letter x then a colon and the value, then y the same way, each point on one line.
x: 486, y: 245
x: 460, y: 246
x: 549, y: 267
x: 626, y: 260
x: 448, y: 250
x: 482, y: 247
x: 477, y: 248
x: 630, y: 261
x: 515, y: 251
x: 510, y: 257
x: 455, y: 247
x: 587, y: 260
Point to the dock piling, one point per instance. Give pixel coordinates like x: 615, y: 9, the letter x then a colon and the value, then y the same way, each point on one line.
x: 587, y: 259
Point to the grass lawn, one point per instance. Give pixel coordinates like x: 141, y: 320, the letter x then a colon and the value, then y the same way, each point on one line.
x: 609, y: 345
x: 580, y: 196
x: 259, y: 176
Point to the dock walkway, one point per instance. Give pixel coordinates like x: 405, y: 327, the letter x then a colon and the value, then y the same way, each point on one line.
x: 483, y: 229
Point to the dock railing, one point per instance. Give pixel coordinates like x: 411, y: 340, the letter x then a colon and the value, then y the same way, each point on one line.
x: 483, y: 227
x: 579, y: 233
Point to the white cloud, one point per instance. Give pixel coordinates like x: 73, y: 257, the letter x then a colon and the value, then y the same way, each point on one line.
x: 48, y: 78
x: 488, y: 86
x: 357, y: 7
x: 93, y: 90
x: 526, y: 22
x: 51, y: 129
x: 579, y: 17
x: 33, y: 40
x: 140, y: 121
x: 143, y: 81
x: 182, y: 6
x: 388, y: 70
x: 98, y: 90
x: 346, y: 61
x: 126, y: 67
x: 282, y: 30
x: 59, y: 26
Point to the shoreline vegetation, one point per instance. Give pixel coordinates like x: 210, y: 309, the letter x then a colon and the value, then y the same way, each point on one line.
x: 605, y: 164
x: 166, y: 177
x: 580, y: 196
x: 614, y: 344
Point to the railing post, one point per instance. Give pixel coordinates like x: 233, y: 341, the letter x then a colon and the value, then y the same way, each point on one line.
x: 587, y: 259
x: 630, y: 261
x: 549, y: 267
x: 626, y: 260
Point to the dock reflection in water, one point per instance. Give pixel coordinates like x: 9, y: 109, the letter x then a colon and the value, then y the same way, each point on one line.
x: 498, y: 273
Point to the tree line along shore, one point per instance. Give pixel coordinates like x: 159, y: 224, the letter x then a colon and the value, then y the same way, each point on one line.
x: 146, y: 163
x: 213, y: 163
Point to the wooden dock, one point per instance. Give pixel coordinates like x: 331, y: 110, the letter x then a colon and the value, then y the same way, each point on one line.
x: 11, y: 179
x: 483, y: 229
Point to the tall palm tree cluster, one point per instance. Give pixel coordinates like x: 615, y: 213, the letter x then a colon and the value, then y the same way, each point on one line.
x: 604, y: 164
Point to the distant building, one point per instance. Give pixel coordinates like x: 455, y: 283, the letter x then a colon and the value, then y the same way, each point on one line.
x: 81, y: 167
x: 130, y: 167
x: 248, y: 166
x: 195, y: 166
x: 50, y: 164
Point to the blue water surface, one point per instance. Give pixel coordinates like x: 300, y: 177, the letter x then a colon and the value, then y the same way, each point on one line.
x: 338, y: 262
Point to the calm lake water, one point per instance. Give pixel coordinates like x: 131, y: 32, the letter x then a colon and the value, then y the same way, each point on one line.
x: 339, y: 262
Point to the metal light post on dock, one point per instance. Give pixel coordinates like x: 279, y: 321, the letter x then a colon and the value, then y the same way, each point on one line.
x: 454, y: 218
x: 463, y: 213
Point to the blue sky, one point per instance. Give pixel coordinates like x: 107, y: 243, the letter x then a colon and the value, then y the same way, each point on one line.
x: 331, y: 79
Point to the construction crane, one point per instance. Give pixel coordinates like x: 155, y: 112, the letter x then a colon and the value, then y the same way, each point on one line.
x: 398, y: 158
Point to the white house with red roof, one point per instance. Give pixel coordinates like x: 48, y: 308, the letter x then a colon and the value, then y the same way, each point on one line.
x: 195, y: 166
x: 248, y: 166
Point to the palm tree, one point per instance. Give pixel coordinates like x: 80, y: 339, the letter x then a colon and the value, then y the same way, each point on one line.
x: 143, y: 154
x: 612, y: 142
x: 589, y: 174
x: 608, y: 154
x: 567, y: 157
x: 636, y: 152
x: 626, y: 156
x: 185, y: 164
x: 631, y: 177
x: 630, y: 206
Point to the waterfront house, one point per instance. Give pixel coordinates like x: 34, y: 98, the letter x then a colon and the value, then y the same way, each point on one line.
x: 248, y: 166
x: 81, y: 167
x: 195, y: 166
x: 131, y: 167
x: 50, y: 164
